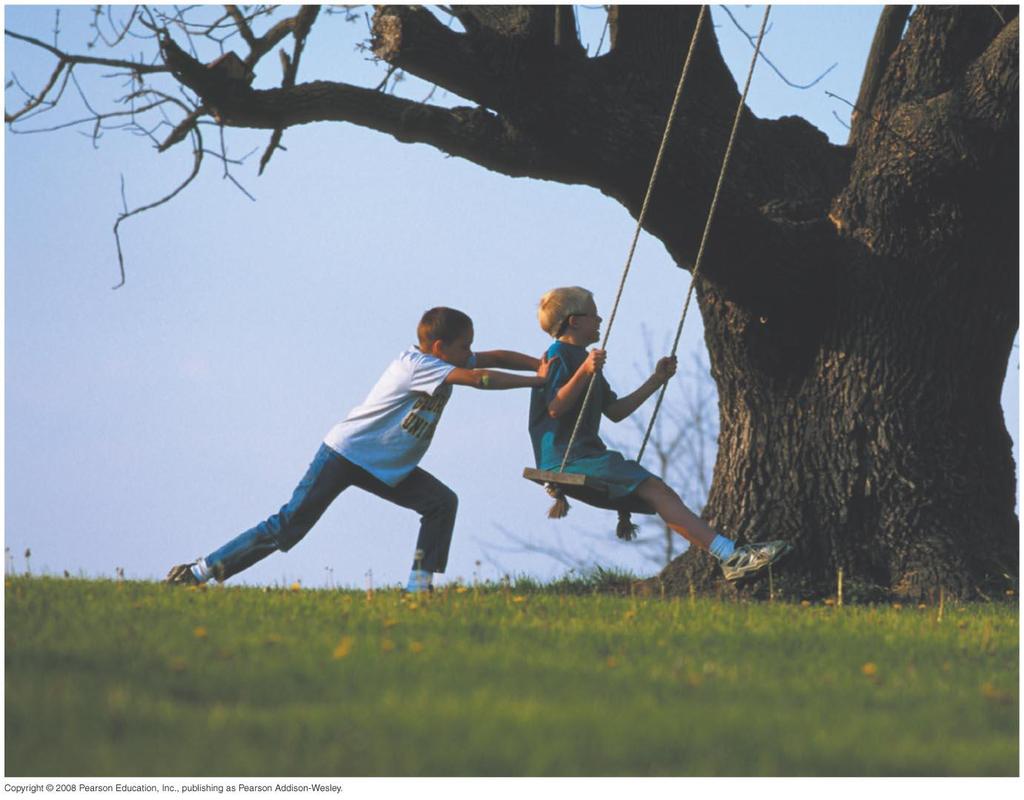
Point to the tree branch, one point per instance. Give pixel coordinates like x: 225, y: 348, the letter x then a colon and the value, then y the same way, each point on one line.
x: 990, y: 91
x: 413, y: 39
x: 962, y: 118
x: 135, y: 66
x: 304, y: 22
x: 654, y: 34
x: 471, y: 133
x: 268, y: 41
x: 243, y: 26
x: 887, y: 38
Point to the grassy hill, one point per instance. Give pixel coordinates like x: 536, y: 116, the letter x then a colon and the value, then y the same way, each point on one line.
x: 139, y: 679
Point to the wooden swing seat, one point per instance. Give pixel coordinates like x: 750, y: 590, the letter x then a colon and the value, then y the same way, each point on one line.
x: 587, y: 489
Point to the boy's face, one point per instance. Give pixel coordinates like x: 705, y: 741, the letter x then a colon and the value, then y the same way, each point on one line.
x: 457, y: 351
x: 587, y: 325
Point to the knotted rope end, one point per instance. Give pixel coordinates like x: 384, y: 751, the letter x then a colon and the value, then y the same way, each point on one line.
x: 560, y: 507
x: 626, y: 530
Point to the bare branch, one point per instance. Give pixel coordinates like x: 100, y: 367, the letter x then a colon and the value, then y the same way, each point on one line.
x: 752, y: 39
x: 134, y: 66
x: 471, y: 133
x: 887, y: 37
x: 303, y: 23
x: 413, y: 39
x: 196, y: 165
x: 270, y: 39
x: 243, y: 26
x: 35, y: 102
x: 182, y: 129
x: 118, y: 35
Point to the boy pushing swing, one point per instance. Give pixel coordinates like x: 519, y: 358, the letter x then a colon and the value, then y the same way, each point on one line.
x: 378, y: 447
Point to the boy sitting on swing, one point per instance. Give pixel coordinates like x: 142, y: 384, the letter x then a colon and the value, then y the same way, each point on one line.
x: 569, y: 315
x: 377, y: 447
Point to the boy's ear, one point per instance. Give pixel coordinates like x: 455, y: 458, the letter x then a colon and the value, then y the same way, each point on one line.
x: 435, y: 348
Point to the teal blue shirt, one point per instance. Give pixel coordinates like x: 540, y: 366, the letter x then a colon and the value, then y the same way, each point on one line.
x: 550, y: 436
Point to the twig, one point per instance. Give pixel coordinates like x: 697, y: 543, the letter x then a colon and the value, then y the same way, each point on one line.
x: 775, y: 69
x: 885, y: 125
x: 198, y: 161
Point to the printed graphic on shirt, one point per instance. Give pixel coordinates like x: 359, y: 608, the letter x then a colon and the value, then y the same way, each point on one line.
x: 424, y: 416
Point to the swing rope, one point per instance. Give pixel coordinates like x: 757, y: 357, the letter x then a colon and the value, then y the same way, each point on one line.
x: 707, y: 225
x: 626, y: 530
x: 639, y: 226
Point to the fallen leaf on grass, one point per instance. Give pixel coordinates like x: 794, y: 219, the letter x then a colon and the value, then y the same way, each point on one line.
x: 343, y: 649
x: 990, y: 692
x: 200, y: 632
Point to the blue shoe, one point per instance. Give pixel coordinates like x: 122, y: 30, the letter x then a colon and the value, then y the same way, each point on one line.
x: 419, y: 581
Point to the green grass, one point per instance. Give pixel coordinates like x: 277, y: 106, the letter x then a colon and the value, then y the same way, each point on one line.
x: 140, y: 679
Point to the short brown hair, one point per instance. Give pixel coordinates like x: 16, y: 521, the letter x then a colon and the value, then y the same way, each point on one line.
x: 442, y: 323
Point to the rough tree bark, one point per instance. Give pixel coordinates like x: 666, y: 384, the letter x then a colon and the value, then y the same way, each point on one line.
x: 859, y: 302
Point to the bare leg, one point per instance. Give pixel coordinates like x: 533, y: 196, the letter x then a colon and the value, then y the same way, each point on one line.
x: 668, y: 505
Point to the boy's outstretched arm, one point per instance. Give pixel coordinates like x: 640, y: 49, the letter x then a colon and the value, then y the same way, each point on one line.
x: 506, y: 359
x: 492, y: 379
x: 624, y: 406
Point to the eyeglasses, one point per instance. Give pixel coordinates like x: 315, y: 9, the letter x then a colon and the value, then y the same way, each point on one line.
x: 565, y: 322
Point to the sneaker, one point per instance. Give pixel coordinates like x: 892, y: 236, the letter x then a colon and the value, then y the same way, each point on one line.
x: 420, y: 580
x: 182, y: 575
x: 752, y: 558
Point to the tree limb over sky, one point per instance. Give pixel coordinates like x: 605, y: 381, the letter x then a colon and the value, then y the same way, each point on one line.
x: 546, y: 110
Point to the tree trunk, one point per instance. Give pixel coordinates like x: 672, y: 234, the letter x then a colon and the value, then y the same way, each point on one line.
x: 878, y: 448
x: 863, y: 423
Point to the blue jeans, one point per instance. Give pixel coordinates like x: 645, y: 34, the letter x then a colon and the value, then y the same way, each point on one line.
x: 327, y: 477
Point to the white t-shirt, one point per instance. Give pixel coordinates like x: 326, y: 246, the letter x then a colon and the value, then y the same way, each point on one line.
x: 390, y: 431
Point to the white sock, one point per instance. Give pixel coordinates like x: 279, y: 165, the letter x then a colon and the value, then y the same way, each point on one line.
x: 721, y: 547
x: 201, y: 571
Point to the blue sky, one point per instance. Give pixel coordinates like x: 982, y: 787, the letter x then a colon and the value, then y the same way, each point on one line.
x: 146, y: 426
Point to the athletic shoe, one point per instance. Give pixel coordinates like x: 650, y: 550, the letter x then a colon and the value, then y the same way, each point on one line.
x: 752, y: 558
x: 182, y: 575
x: 417, y: 587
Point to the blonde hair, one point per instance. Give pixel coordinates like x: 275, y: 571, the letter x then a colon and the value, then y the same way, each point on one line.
x: 559, y: 304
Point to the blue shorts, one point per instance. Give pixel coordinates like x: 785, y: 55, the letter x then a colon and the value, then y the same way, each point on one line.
x: 623, y: 477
